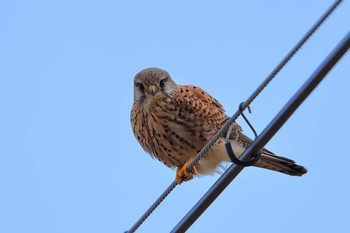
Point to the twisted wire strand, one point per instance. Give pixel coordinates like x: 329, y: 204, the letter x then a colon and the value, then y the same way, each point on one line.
x: 262, y: 86
x: 329, y: 11
x: 232, y: 119
x: 153, y: 207
x: 270, y: 130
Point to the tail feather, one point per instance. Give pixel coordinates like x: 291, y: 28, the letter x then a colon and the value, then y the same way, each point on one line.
x: 273, y: 162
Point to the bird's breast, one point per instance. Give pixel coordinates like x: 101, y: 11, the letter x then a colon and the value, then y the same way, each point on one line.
x: 166, y: 134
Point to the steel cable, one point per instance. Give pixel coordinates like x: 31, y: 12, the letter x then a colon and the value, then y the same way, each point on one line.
x: 232, y: 119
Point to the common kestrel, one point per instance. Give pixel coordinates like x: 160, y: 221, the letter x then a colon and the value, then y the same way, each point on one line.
x: 173, y: 122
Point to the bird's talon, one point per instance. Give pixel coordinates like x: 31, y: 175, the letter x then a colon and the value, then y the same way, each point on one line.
x: 183, y: 175
x: 194, y: 170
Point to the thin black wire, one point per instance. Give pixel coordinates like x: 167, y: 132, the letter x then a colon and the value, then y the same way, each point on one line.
x: 255, y: 157
x: 291, y: 53
x: 262, y: 86
x: 231, y: 120
x: 152, y: 207
x: 270, y: 130
x: 246, y: 119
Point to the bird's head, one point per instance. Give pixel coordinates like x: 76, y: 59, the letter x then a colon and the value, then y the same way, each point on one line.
x: 152, y: 84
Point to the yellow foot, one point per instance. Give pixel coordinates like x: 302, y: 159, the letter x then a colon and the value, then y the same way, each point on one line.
x: 183, y: 175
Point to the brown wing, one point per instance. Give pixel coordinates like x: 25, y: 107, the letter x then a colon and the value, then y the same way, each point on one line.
x: 195, y: 103
x: 200, y: 108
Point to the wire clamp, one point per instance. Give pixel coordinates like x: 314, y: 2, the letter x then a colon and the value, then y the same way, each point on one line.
x: 228, y: 146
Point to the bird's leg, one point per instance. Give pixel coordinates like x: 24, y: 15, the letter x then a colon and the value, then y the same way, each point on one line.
x: 183, y: 175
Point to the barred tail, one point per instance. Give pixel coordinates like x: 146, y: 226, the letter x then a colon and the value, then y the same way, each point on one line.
x: 280, y: 164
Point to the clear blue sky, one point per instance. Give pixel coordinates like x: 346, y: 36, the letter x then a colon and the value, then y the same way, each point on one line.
x: 68, y: 159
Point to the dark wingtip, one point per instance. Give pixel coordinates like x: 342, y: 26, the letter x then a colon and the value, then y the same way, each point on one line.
x: 299, y: 170
x: 283, y: 164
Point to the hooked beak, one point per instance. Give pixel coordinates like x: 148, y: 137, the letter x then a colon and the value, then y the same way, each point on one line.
x: 152, y: 89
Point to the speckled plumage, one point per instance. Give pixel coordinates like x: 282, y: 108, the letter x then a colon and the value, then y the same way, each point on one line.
x: 173, y: 122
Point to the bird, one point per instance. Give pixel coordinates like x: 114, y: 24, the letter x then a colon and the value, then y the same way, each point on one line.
x: 174, y: 122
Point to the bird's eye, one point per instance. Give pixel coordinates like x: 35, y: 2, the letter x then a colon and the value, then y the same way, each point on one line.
x: 140, y: 86
x: 162, y: 82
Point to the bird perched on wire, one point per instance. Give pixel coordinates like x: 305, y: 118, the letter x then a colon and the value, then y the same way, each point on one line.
x: 174, y: 122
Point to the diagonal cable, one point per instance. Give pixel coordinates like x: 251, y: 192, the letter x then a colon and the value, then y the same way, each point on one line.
x: 262, y: 86
x: 270, y: 130
x: 231, y: 120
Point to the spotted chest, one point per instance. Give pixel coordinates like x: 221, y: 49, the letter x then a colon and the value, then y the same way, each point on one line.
x: 173, y: 129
